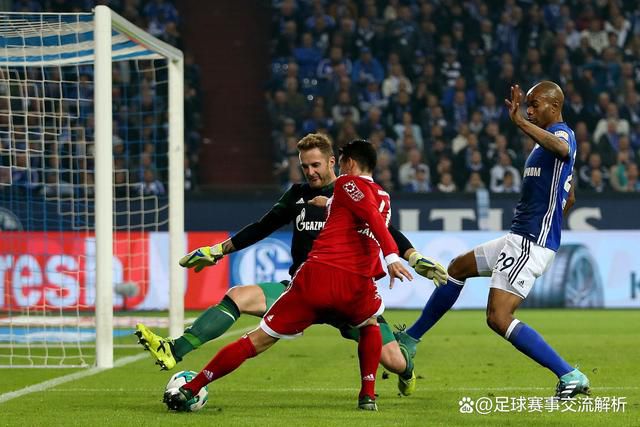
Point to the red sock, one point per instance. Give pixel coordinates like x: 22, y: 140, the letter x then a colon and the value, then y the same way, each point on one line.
x: 369, y: 349
x: 225, y: 361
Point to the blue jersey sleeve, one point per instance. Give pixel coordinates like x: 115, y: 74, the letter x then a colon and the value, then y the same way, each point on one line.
x: 562, y: 131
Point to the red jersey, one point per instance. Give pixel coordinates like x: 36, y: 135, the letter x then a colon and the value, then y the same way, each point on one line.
x: 358, y: 215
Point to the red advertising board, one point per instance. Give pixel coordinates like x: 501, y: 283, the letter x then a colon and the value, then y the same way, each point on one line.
x: 56, y: 270
x: 207, y: 287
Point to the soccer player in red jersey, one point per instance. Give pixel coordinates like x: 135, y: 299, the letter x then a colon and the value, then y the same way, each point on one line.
x: 335, y: 283
x: 303, y: 204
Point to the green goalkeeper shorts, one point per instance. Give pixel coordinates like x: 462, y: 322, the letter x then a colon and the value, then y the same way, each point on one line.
x: 385, y: 330
x: 272, y: 291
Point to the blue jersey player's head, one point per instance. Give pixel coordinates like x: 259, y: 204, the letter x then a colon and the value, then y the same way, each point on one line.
x: 544, y: 104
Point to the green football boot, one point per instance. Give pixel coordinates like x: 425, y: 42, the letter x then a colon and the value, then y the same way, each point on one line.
x: 407, y: 386
x: 160, y: 348
x: 571, y: 384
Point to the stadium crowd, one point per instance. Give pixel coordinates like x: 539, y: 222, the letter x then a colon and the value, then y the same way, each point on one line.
x: 139, y: 107
x: 424, y: 80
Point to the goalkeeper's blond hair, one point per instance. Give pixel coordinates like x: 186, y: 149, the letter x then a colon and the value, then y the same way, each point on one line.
x: 316, y: 140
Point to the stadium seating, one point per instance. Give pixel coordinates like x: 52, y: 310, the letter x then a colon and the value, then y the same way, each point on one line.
x: 455, y: 59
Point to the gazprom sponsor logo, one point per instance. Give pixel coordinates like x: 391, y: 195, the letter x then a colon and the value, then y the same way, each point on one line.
x: 532, y: 172
x: 302, y: 225
x: 266, y: 261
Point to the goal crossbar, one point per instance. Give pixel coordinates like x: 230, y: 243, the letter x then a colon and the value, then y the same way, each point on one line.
x: 69, y: 39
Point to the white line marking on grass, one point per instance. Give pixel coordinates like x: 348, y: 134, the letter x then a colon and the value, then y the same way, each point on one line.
x: 46, y: 385
x: 438, y: 389
x: 66, y: 378
x: 518, y: 388
x: 324, y: 389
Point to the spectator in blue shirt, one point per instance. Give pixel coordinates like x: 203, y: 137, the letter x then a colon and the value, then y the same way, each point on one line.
x: 317, y: 120
x: 371, y: 96
x: 318, y: 16
x: 326, y: 67
x: 307, y: 56
x: 367, y: 68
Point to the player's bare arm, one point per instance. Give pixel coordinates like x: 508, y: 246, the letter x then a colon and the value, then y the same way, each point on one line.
x: 543, y: 137
x: 571, y: 200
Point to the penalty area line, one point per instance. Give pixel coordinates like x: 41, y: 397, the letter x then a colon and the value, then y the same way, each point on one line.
x: 45, y: 385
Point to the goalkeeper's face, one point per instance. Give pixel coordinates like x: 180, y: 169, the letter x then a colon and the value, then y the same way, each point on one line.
x: 318, y: 168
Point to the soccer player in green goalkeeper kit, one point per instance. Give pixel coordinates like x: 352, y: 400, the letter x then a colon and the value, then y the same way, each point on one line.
x: 304, y: 205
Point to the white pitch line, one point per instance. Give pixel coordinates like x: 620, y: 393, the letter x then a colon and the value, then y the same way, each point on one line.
x: 331, y: 389
x: 520, y: 388
x: 45, y: 385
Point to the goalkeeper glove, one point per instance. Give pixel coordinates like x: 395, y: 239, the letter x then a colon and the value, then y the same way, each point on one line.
x: 429, y: 268
x: 202, y: 257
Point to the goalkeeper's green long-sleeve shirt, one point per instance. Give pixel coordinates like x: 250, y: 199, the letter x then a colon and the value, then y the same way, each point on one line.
x: 308, y: 222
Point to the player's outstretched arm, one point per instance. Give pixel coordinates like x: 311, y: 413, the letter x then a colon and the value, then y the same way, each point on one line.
x: 543, y: 137
x: 279, y: 215
x: 204, y: 256
x: 428, y: 267
x: 424, y: 266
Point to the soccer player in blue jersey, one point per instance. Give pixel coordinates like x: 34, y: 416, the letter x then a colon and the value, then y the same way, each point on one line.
x: 514, y: 261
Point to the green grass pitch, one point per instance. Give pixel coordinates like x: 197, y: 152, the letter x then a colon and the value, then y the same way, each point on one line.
x: 313, y: 381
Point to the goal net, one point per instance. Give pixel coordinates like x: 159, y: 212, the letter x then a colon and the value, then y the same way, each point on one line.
x: 91, y: 173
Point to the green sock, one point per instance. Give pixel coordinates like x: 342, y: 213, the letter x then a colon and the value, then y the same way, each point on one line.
x: 387, y: 337
x: 409, y: 369
x: 215, y: 321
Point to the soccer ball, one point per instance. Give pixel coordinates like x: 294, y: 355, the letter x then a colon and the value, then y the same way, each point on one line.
x: 181, y: 378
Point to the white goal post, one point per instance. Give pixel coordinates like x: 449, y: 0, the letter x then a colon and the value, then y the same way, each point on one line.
x: 102, y: 40
x: 105, y: 21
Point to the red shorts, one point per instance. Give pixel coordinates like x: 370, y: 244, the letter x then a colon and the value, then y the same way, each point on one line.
x: 319, y: 293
